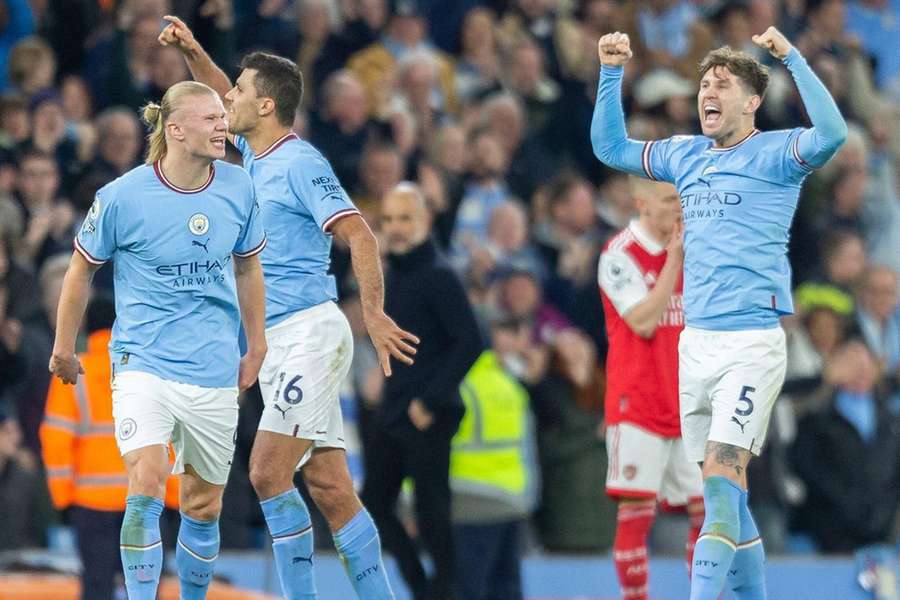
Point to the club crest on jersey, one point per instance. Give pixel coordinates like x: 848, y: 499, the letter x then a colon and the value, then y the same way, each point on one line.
x: 198, y: 223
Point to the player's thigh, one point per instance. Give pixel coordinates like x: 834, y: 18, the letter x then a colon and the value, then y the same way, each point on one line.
x: 682, y: 480
x: 744, y: 395
x: 142, y: 411
x: 302, y: 376
x: 697, y: 364
x: 637, y: 459
x: 206, y: 431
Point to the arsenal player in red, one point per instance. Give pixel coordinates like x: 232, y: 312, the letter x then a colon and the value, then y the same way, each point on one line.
x: 640, y: 276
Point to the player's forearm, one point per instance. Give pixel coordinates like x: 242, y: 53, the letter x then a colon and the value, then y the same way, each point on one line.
x: 644, y: 318
x: 829, y: 131
x: 609, y: 138
x: 252, y: 300
x: 204, y: 70
x: 73, y: 301
x: 366, y: 261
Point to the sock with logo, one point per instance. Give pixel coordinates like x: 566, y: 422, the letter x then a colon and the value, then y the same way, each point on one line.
x: 696, y: 515
x: 141, y: 547
x: 717, y: 542
x: 747, y: 576
x: 359, y: 547
x: 195, y: 555
x: 633, y: 522
x: 292, y: 543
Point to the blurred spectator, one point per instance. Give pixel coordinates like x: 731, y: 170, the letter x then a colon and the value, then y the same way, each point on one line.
x: 32, y: 66
x: 11, y: 355
x: 527, y: 78
x: 77, y: 104
x: 380, y: 169
x: 405, y: 33
x: 844, y: 258
x: 848, y: 456
x: 478, y: 66
x: 315, y: 25
x: 492, y: 472
x: 85, y: 472
x: 24, y: 510
x: 539, y: 20
x: 16, y: 22
x: 485, y: 190
x: 417, y: 78
x: 876, y: 23
x: 530, y: 163
x: 733, y: 27
x: 668, y: 34
x: 20, y: 284
x: 126, y: 78
x: 878, y: 319
x: 118, y: 145
x: 50, y: 135
x: 421, y: 406
x: 51, y: 220
x: 15, y: 120
x: 167, y: 67
x: 341, y: 127
x: 506, y: 245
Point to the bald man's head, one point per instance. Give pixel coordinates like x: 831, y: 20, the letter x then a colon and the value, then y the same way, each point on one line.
x: 405, y: 219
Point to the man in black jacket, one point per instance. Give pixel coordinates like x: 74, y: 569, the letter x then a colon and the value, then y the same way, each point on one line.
x: 849, y: 458
x: 421, y: 406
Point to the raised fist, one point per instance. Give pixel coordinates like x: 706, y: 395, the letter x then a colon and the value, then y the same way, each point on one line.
x: 614, y: 49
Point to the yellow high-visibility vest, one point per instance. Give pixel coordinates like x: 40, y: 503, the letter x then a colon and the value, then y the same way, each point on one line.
x: 492, y: 453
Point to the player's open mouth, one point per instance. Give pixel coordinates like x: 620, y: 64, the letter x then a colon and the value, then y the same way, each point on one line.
x: 711, y: 114
x: 218, y: 142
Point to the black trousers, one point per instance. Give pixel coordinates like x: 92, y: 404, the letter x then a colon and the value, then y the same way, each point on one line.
x: 392, y: 454
x: 97, y: 534
x: 491, y: 561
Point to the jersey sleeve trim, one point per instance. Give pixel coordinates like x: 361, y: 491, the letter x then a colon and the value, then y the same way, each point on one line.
x: 259, y: 248
x: 330, y: 221
x: 795, y: 151
x: 645, y: 160
x: 87, y: 255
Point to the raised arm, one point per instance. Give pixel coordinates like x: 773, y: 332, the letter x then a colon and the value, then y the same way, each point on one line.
x: 608, y: 136
x: 818, y: 144
x: 202, y: 67
x: 73, y: 299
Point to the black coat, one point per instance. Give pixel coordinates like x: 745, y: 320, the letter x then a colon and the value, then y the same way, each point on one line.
x: 425, y: 297
x: 853, y: 487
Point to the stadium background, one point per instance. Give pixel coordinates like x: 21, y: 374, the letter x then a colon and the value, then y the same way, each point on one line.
x: 487, y: 105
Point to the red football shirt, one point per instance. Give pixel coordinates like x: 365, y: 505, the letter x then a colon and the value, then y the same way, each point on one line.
x: 641, y: 373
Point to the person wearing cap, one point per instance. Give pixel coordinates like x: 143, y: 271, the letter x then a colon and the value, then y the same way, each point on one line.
x: 421, y: 406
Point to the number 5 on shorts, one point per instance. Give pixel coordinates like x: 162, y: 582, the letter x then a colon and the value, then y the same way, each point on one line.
x: 743, y: 398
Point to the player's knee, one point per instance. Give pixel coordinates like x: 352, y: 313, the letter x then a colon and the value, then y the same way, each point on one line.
x: 331, y: 495
x: 267, y: 481
x: 202, y: 507
x: 147, y: 479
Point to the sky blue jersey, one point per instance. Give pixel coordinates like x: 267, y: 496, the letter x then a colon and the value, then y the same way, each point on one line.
x: 177, y: 313
x: 737, y: 202
x: 300, y: 199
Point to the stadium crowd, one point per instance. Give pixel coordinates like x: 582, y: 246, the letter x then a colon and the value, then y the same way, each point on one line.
x: 487, y: 106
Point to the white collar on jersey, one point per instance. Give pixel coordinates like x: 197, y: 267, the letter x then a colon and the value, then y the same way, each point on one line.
x: 644, y: 239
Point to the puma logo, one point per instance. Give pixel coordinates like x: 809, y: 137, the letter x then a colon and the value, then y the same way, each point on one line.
x: 283, y: 411
x: 299, y: 559
x: 741, y: 425
x: 201, y: 244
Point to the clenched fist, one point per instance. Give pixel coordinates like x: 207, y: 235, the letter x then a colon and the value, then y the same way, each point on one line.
x: 773, y: 41
x: 614, y: 49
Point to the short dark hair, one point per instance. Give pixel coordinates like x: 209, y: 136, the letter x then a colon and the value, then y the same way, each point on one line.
x: 279, y: 79
x: 746, y: 68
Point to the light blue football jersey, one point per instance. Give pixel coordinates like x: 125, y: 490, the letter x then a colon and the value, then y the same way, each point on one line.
x: 177, y: 313
x: 738, y: 202
x: 737, y: 205
x: 300, y: 199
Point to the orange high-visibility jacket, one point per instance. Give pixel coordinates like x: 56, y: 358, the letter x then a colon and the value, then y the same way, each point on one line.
x: 78, y: 438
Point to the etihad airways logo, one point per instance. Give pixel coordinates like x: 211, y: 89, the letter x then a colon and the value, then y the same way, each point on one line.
x: 195, y: 273
x: 708, y: 204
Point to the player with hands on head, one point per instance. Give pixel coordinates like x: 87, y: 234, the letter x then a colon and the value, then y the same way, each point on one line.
x: 739, y: 189
x: 185, y: 234
x: 302, y: 206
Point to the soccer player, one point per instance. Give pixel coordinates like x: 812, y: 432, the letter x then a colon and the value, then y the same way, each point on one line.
x: 184, y: 233
x: 738, y: 189
x: 640, y: 284
x: 302, y: 206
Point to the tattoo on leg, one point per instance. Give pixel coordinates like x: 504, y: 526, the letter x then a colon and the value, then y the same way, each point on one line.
x: 725, y: 455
